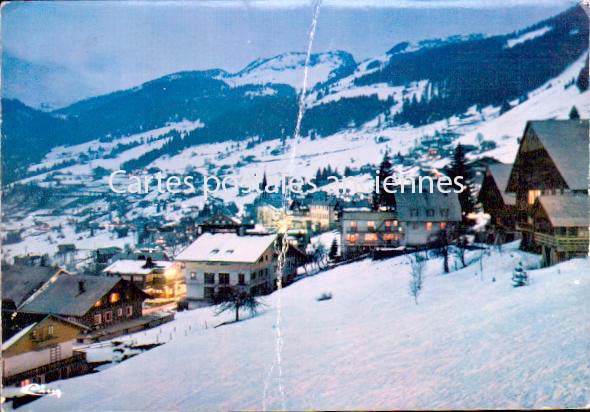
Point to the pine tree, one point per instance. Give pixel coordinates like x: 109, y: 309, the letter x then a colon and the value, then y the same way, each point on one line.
x: 459, y: 168
x: 519, y: 276
x: 333, y: 250
x: 384, y: 199
x: 574, y: 115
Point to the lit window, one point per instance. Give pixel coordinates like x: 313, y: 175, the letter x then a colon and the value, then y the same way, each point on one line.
x: 443, y: 225
x: 98, y: 303
x: 115, y: 297
x: 353, y: 237
x: 371, y: 225
x: 388, y: 223
x: 97, y: 319
x: 193, y: 275
x: 395, y: 223
x: 533, y: 195
x: 371, y: 237
x: 389, y: 236
x: 129, y: 310
x: 108, y: 317
x: 429, y: 226
x: 50, y: 330
x: 120, y: 312
x: 353, y: 223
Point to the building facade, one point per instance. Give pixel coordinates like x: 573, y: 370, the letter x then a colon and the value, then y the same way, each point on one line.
x: 550, y: 181
x: 215, y: 261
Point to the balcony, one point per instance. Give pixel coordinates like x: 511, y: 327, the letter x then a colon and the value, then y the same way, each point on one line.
x: 562, y: 243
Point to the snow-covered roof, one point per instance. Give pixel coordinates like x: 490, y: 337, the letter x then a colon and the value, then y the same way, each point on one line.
x: 226, y: 247
x: 566, y: 210
x: 16, y: 337
x: 136, y: 267
x: 500, y: 172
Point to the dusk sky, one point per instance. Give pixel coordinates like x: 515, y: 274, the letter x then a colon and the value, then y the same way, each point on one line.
x: 95, y: 47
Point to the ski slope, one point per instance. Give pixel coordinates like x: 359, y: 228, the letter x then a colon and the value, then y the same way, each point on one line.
x: 472, y: 341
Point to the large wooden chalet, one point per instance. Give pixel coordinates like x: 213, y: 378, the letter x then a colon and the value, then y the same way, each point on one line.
x: 550, y: 181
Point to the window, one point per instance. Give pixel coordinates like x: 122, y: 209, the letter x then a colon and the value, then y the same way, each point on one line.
x: 414, y: 212
x: 120, y: 312
x: 209, y: 278
x: 129, y: 311
x: 353, y: 223
x: 208, y: 292
x: 388, y: 224
x: 532, y: 196
x: 371, y: 237
x: 241, y: 279
x: 351, y: 238
x: 98, y: 303
x: 224, y: 278
x: 115, y: 297
x: 430, y: 212
x: 572, y: 231
x: 108, y: 316
x: 429, y: 226
x: 253, y: 276
x: 97, y: 319
x: 193, y: 275
x: 444, y: 212
x: 371, y: 225
x: 443, y: 225
x: 50, y: 331
x: 389, y: 237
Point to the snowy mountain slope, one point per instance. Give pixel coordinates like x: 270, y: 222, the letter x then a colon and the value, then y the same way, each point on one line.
x: 471, y: 342
x: 287, y: 68
x: 553, y: 100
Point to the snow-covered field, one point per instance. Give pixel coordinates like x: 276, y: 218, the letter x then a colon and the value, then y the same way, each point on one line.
x: 472, y: 341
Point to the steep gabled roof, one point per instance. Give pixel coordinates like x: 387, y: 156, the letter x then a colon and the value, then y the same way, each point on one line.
x: 63, y: 297
x: 566, y: 210
x: 19, y: 282
x: 500, y: 172
x: 566, y: 143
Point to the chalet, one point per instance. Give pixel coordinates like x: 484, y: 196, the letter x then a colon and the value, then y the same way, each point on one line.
x: 107, y: 304
x: 159, y: 279
x: 552, y: 162
x: 19, y: 283
x: 215, y: 261
x: 423, y: 215
x: 365, y: 230
x: 560, y: 227
x: 221, y: 223
x: 43, y: 352
x: 498, y: 203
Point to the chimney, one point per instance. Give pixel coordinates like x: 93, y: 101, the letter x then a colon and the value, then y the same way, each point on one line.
x: 81, y: 288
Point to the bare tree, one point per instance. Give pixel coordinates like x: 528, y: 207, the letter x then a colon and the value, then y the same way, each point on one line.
x: 417, y: 263
x: 234, y: 298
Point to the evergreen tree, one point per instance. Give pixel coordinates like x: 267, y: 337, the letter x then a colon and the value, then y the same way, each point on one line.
x: 505, y: 107
x: 382, y: 198
x: 582, y: 81
x: 333, y: 250
x: 574, y: 113
x: 459, y: 168
x: 519, y: 276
